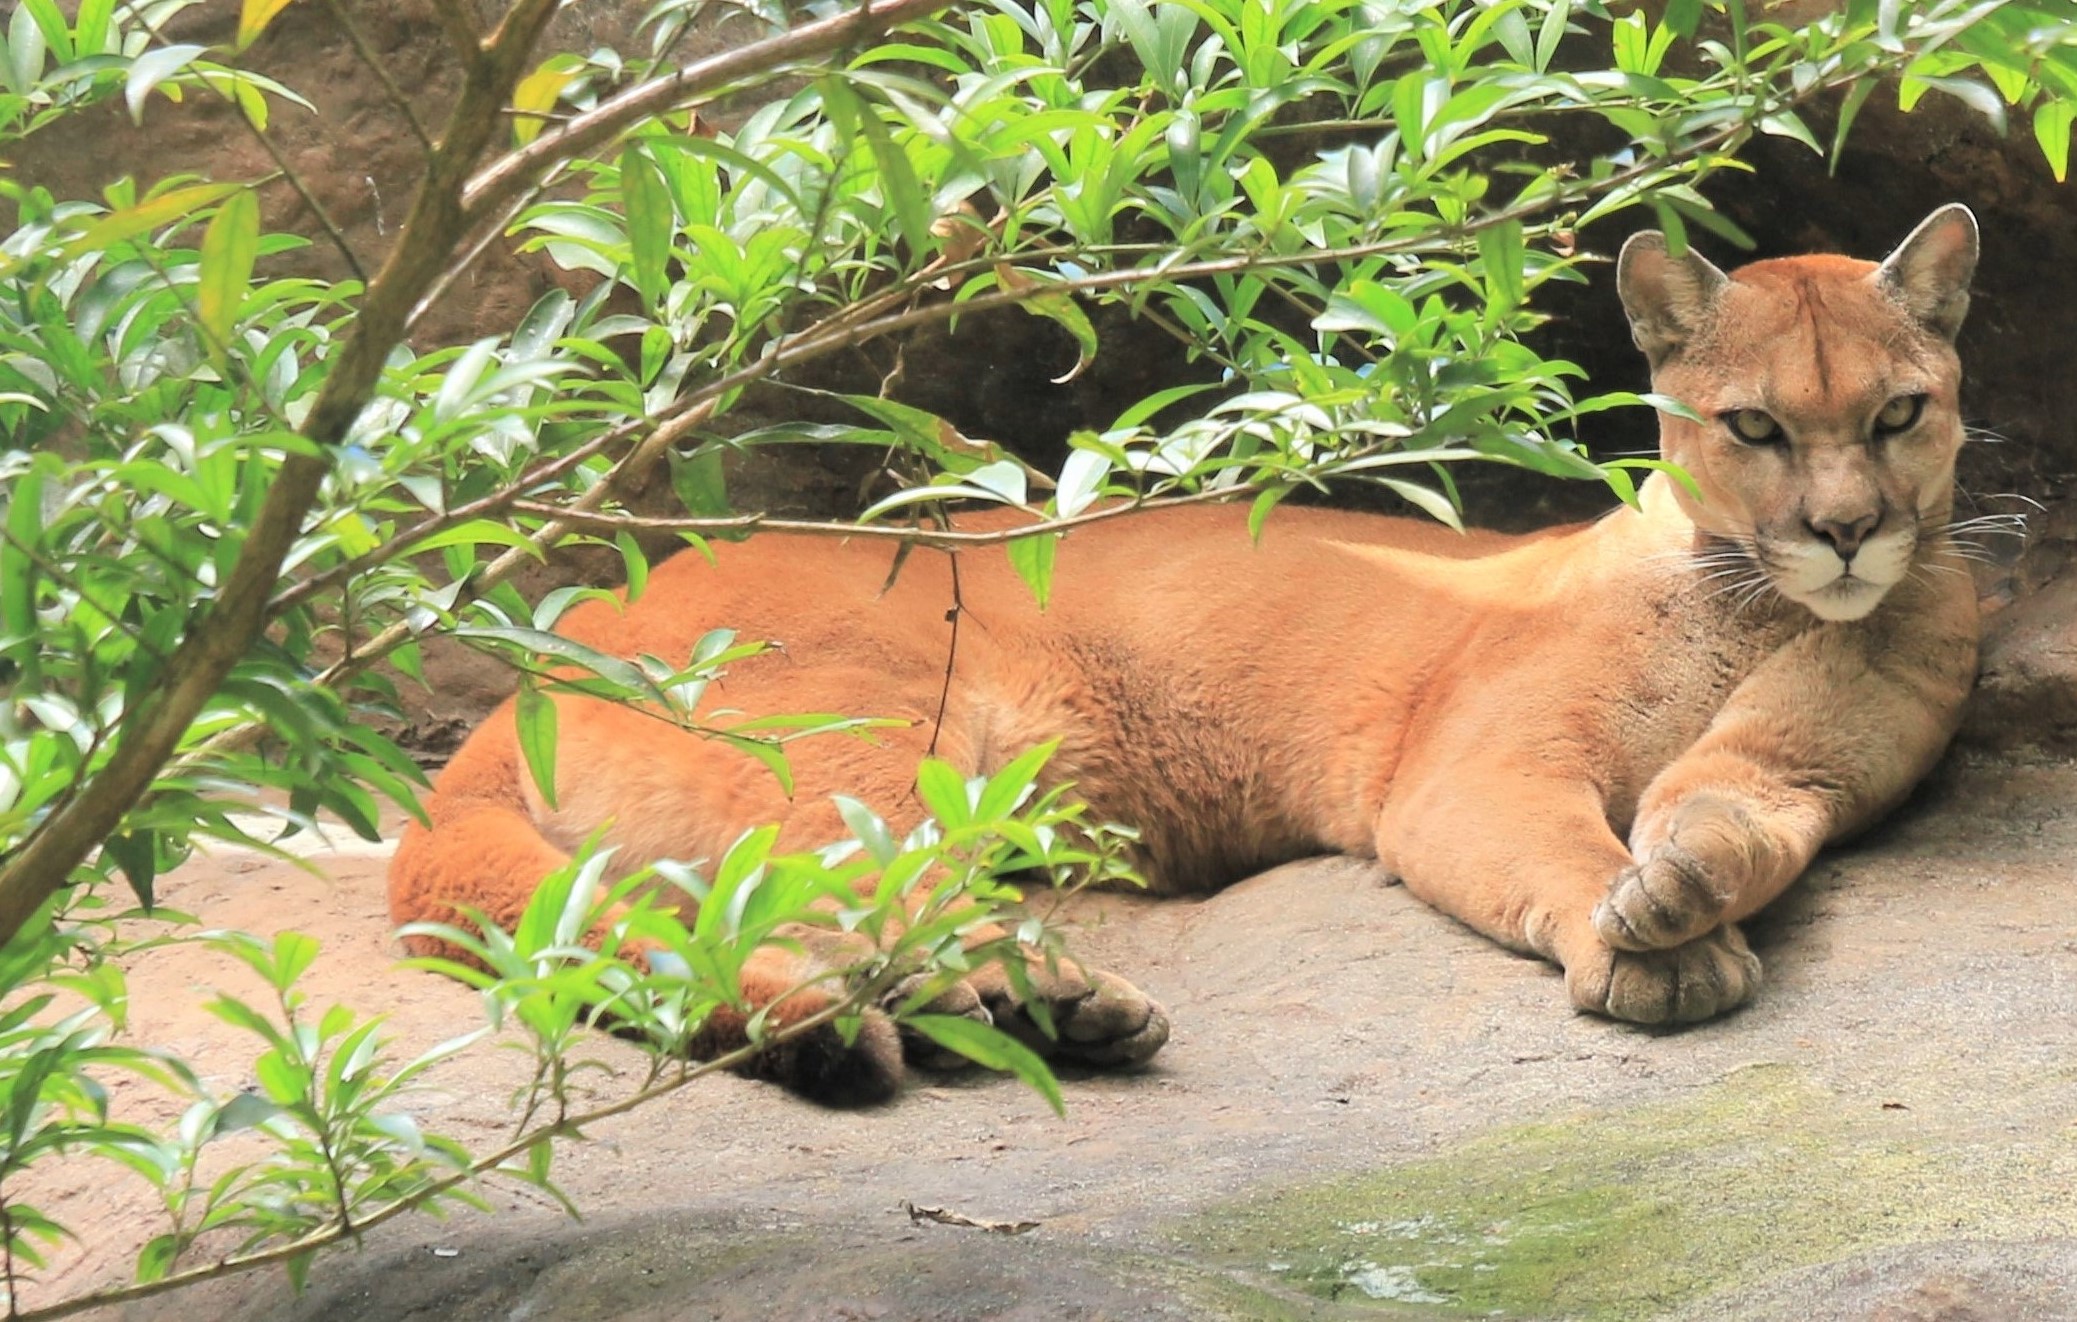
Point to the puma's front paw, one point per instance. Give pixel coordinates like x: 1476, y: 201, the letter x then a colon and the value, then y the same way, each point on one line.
x: 1100, y: 1018
x: 1683, y: 985
x: 1665, y: 901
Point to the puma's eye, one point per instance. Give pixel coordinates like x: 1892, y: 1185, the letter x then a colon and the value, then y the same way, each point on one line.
x: 1899, y: 414
x: 1753, y: 427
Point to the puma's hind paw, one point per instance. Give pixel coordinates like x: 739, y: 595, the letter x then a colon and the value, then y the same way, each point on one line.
x: 1100, y: 1018
x: 1684, y: 985
x: 960, y: 1000
x: 822, y: 1067
x: 1665, y: 901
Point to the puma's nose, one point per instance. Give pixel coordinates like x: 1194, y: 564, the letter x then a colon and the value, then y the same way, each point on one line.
x: 1845, y: 538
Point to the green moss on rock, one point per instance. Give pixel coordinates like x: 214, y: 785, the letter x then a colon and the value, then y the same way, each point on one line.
x: 1631, y: 1213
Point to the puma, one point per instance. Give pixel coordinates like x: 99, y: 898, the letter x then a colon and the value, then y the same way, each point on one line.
x: 1605, y: 744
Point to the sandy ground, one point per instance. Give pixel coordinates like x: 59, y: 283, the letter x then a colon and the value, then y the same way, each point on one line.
x: 1365, y: 1111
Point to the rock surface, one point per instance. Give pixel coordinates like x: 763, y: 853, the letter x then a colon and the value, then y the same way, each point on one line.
x: 1366, y: 1112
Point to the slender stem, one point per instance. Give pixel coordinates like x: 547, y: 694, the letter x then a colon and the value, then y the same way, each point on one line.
x: 943, y: 539
x: 953, y: 615
x: 373, y: 63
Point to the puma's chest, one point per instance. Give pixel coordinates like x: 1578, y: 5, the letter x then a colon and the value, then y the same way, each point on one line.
x: 1683, y: 655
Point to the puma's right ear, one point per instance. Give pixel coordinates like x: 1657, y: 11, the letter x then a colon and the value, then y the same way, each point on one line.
x: 1667, y: 297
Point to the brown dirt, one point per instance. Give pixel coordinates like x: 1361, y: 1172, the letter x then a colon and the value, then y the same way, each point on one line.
x: 1921, y: 992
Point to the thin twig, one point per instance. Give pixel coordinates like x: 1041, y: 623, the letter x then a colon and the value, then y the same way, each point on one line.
x: 316, y: 208
x: 952, y: 617
x: 943, y: 539
x: 473, y: 250
x: 375, y: 66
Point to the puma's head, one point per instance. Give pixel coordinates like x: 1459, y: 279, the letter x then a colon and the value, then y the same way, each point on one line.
x: 1827, y: 391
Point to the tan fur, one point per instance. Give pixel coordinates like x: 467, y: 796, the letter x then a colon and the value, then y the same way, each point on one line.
x: 1577, y: 743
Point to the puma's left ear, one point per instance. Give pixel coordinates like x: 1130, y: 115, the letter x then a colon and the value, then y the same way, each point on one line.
x: 1929, y: 272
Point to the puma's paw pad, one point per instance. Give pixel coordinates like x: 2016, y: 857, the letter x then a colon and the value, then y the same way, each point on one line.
x: 1684, y: 985
x: 822, y: 1067
x: 1100, y: 1018
x: 960, y: 1000
x: 1665, y: 901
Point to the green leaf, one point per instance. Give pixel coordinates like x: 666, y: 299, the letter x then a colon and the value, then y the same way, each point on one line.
x: 1003, y: 479
x: 136, y: 854
x: 1849, y: 110
x: 1258, y: 512
x: 1682, y: 16
x: 700, y: 482
x: 24, y: 534
x: 1675, y: 227
x: 229, y: 248
x: 155, y: 1259
x: 898, y: 183
x: 943, y: 791
x: 1979, y: 98
x: 1145, y: 409
x: 1007, y: 787
x: 1081, y: 481
x: 91, y: 32
x: 651, y: 222
x: 870, y: 830
x: 992, y: 1048
x: 1434, y: 502
x: 474, y: 533
x: 1032, y: 558
x: 535, y: 715
x: 129, y: 222
x: 294, y: 952
x: 636, y: 563
x: 1502, y: 253
x: 25, y: 52
x: 2052, y: 130
x: 1061, y: 309
x: 152, y: 68
x: 242, y: 1111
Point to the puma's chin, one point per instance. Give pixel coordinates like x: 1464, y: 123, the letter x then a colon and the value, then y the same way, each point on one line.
x: 1816, y: 578
x: 1845, y: 598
